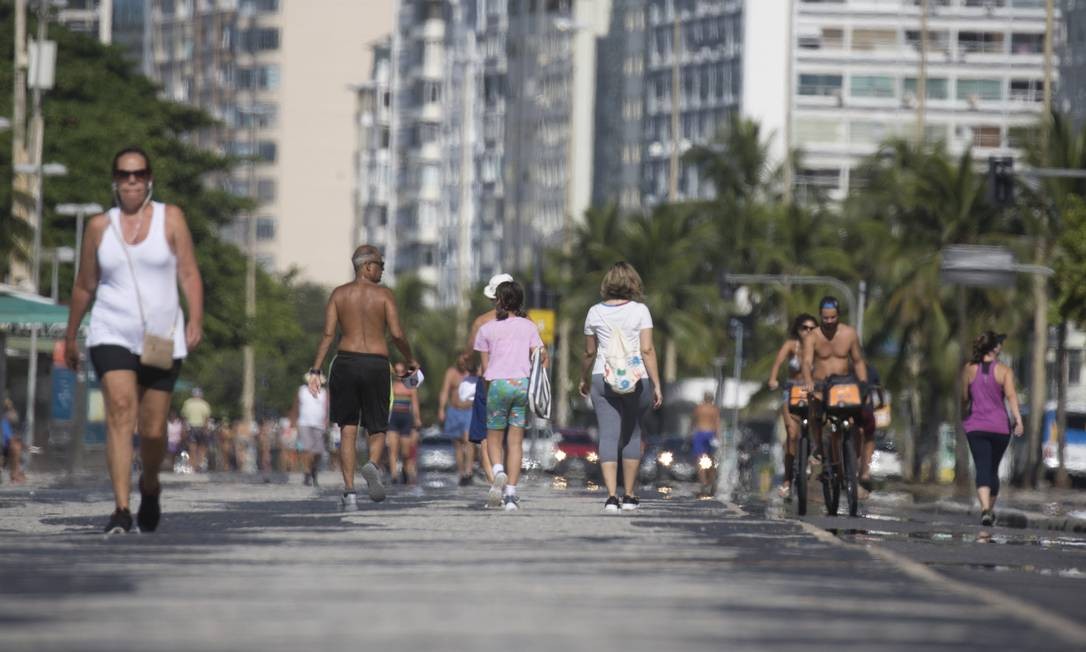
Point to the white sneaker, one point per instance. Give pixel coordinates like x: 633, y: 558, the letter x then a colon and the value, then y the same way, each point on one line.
x: 611, y: 506
x: 373, y: 482
x: 511, y: 503
x: 494, y: 496
x: 348, y: 502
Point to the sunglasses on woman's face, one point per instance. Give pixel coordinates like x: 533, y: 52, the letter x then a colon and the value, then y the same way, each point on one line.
x: 141, y: 174
x: 808, y: 327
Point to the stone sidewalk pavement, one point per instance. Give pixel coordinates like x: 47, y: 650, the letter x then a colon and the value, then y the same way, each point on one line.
x: 251, y: 566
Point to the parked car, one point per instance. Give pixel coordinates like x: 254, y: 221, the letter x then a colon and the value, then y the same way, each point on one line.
x: 1074, y: 444
x: 575, y: 454
x: 436, y: 452
x: 669, y: 459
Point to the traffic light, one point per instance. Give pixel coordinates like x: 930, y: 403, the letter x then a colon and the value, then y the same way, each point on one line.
x: 1001, y: 181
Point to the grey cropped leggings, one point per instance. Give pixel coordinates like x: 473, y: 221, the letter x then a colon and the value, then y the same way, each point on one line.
x: 619, y: 418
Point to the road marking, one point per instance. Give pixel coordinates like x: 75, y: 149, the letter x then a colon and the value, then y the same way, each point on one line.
x: 1065, y: 628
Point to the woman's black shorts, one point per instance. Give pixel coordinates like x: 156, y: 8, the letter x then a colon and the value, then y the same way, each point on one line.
x: 111, y: 357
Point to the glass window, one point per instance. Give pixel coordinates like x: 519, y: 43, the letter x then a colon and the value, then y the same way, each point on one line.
x: 981, y: 89
x: 265, y: 190
x: 874, y: 39
x: 872, y: 86
x: 818, y: 130
x: 937, y: 87
x: 981, y: 42
x: 265, y: 228
x: 1031, y: 43
x: 1027, y: 90
x: 987, y: 136
x: 819, y: 84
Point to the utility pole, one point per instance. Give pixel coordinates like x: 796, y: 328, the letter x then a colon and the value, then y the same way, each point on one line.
x: 467, y: 199
x: 37, y: 134
x: 922, y: 78
x: 671, y: 353
x: 248, y: 382
x: 1040, y: 286
x: 21, y: 186
x: 105, y: 21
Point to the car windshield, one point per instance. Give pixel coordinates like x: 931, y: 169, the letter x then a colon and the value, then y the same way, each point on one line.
x: 577, y: 438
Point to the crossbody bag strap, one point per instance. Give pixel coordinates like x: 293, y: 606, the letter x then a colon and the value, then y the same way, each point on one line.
x: 135, y: 281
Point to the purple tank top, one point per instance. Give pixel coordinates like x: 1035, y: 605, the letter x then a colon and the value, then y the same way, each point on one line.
x: 988, y: 413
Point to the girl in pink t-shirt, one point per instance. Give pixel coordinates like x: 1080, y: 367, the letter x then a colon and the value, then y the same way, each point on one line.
x: 506, y: 346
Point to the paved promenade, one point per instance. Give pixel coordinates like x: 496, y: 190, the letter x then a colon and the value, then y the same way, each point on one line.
x: 242, y: 565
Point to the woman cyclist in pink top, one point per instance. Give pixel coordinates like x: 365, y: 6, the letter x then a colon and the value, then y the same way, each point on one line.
x: 985, y: 384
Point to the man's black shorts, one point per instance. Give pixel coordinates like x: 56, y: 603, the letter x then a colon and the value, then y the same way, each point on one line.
x: 359, y: 385
x: 111, y: 357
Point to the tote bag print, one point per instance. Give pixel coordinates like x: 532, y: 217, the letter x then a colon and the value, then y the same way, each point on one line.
x: 621, y: 368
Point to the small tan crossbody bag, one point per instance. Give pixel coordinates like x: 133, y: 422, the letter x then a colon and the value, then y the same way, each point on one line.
x: 157, y: 351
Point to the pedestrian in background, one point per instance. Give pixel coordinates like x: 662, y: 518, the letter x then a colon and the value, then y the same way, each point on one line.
x: 506, y: 345
x: 477, y: 427
x: 133, y: 258
x: 454, y: 412
x: 309, y: 419
x: 403, y: 428
x: 987, y: 389
x: 197, y: 414
x: 12, y: 446
x: 624, y: 397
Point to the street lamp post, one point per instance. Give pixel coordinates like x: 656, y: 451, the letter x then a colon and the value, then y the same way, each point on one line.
x: 80, y: 211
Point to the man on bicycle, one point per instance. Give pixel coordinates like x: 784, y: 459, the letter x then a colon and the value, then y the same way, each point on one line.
x: 829, y: 352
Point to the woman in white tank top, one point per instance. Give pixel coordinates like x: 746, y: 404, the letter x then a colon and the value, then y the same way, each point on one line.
x: 132, y: 260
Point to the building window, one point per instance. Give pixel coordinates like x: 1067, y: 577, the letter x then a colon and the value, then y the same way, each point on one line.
x: 987, y: 136
x: 265, y: 190
x: 980, y: 42
x: 262, y: 5
x: 879, y: 86
x: 820, y: 178
x: 980, y: 89
x: 1027, y: 90
x: 265, y: 228
x: 817, y: 130
x: 938, y: 41
x: 1027, y: 43
x: 260, y: 39
x: 874, y: 39
x: 1074, y: 364
x: 258, y: 78
x: 820, y: 84
x: 937, y: 88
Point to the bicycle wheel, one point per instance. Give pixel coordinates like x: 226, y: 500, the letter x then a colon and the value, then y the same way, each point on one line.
x: 851, y: 482
x: 831, y: 485
x: 799, y: 479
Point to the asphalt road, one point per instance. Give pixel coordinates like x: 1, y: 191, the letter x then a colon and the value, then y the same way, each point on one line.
x: 242, y: 565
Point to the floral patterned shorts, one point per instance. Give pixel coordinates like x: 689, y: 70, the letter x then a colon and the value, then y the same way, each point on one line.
x: 507, y: 403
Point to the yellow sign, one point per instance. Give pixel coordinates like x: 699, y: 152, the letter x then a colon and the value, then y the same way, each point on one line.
x: 544, y: 321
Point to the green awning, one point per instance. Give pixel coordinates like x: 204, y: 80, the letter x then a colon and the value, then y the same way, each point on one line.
x: 20, y: 311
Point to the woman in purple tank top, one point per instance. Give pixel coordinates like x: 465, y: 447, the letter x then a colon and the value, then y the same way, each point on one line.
x: 986, y: 383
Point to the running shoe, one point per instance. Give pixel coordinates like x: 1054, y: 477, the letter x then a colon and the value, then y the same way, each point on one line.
x: 612, y: 506
x: 630, y: 503
x: 120, y: 522
x: 987, y: 518
x: 511, y: 503
x: 150, y: 509
x: 373, y: 482
x: 348, y: 502
x: 494, y: 496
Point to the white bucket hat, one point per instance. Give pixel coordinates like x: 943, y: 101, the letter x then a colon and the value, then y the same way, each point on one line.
x: 491, y: 289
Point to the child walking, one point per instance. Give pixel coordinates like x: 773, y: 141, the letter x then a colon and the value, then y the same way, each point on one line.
x: 505, y: 346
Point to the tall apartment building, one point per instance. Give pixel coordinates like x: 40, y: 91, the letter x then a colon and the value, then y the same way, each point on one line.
x: 1073, y: 61
x: 857, y: 66
x: 487, y: 118
x: 277, y: 74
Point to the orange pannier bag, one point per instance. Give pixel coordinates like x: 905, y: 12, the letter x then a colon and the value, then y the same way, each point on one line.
x: 844, y: 396
x: 797, y: 397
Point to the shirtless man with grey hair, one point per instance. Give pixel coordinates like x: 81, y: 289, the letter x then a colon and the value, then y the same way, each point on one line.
x: 359, y: 378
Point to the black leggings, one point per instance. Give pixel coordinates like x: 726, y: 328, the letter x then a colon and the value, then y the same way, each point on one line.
x: 987, y: 449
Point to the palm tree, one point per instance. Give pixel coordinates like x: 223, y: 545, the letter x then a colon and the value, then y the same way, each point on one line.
x: 1056, y: 203
x: 925, y: 200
